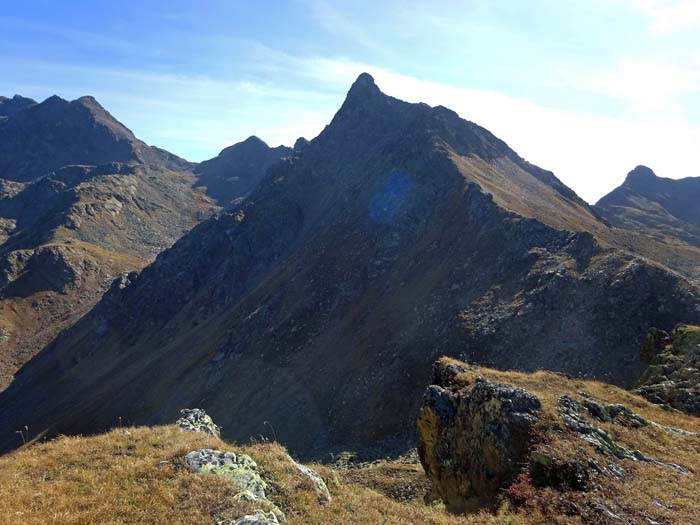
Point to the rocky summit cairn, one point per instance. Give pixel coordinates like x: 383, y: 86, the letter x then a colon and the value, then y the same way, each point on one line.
x: 473, y: 440
x: 197, y: 420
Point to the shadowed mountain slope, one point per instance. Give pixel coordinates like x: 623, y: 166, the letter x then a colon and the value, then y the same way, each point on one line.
x: 10, y: 106
x: 658, y: 218
x: 399, y: 234
x: 238, y: 169
x: 83, y: 200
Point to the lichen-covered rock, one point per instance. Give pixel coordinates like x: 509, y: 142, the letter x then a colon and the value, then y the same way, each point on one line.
x: 240, y: 468
x: 262, y: 503
x: 473, y: 440
x: 324, y: 495
x: 197, y: 420
x: 673, y: 376
x: 572, y: 413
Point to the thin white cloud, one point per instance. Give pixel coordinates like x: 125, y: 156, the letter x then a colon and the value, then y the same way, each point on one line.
x: 196, y: 116
x: 590, y: 153
x: 646, y: 84
x: 338, y: 23
x: 669, y: 17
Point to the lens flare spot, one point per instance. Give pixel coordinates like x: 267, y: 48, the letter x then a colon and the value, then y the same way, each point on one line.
x: 387, y: 204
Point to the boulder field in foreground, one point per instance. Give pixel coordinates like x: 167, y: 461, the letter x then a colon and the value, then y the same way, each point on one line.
x: 555, y: 447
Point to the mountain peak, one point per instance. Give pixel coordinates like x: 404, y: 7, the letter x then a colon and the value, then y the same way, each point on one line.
x: 255, y: 140
x: 89, y: 135
x: 364, y: 81
x: 641, y: 174
x: 10, y: 106
x: 363, y: 87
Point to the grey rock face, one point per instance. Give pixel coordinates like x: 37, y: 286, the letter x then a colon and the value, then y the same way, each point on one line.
x: 572, y: 413
x: 474, y: 440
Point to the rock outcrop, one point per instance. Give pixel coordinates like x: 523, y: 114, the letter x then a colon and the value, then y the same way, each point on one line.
x: 197, y: 420
x: 474, y: 439
x: 324, y: 495
x: 480, y: 439
x: 259, y: 518
x: 239, y: 468
x: 673, y: 376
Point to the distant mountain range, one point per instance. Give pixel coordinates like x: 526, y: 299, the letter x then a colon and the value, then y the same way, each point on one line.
x: 340, y: 270
x: 82, y: 200
x: 663, y: 208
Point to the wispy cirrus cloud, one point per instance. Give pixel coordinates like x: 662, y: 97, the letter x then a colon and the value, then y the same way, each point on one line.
x: 592, y: 153
x: 199, y: 114
x: 669, y: 17
x: 648, y: 84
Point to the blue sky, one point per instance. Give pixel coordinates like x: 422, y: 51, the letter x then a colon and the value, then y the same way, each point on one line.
x: 588, y: 89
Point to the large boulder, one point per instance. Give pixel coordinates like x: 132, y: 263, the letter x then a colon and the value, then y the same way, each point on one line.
x: 320, y: 487
x: 197, y: 420
x: 473, y: 438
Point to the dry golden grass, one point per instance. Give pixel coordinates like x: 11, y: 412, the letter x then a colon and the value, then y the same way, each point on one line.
x: 136, y: 475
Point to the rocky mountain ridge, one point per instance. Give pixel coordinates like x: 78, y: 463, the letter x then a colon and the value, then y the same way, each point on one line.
x: 10, y: 106
x: 400, y: 233
x: 82, y: 201
x: 238, y: 169
x: 662, y: 213
x: 40, y: 138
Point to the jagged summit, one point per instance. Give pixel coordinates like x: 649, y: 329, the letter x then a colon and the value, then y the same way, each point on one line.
x: 365, y: 82
x: 667, y: 208
x: 640, y: 174
x: 10, y: 106
x: 364, y: 95
x: 238, y: 169
x: 89, y: 135
x: 300, y: 144
x: 252, y: 142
